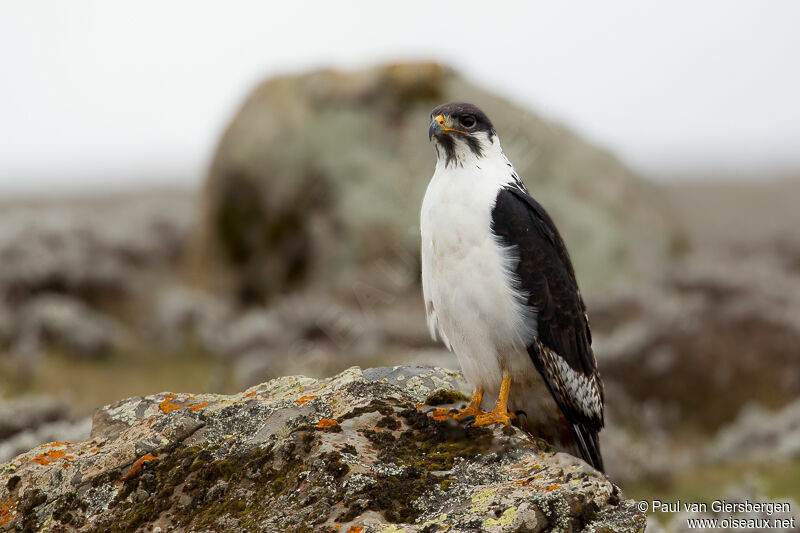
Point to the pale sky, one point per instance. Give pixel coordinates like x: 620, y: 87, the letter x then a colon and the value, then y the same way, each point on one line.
x: 128, y: 94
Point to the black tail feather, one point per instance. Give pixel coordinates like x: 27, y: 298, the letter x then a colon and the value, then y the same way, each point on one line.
x: 589, y: 446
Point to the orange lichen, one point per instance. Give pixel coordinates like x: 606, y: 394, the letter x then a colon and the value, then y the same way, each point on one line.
x: 304, y: 399
x: 553, y: 487
x: 138, y: 464
x: 326, y: 423
x: 5, y: 511
x: 48, y: 457
x: 250, y: 394
x: 355, y: 529
x: 523, y: 483
x: 53, y: 444
x: 167, y: 406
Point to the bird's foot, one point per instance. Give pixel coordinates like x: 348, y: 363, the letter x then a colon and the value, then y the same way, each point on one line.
x: 455, y: 414
x: 473, y: 408
x: 492, y: 417
x: 439, y: 414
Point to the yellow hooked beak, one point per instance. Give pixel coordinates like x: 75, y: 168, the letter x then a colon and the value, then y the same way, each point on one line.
x: 440, y: 125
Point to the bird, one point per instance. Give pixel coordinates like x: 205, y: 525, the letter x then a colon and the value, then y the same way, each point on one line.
x: 501, y: 293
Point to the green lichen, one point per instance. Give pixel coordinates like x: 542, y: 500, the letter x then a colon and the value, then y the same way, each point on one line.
x: 227, y: 488
x: 505, y: 519
x: 195, y: 488
x: 433, y: 445
x: 445, y: 397
x: 445, y: 484
x: 543, y: 445
x: 425, y: 450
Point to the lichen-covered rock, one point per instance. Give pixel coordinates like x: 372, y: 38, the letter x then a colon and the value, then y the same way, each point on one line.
x: 319, y: 180
x: 354, y: 452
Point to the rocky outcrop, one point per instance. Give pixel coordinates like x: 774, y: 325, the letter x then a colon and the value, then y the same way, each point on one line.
x: 95, y: 249
x: 759, y: 435
x: 73, y: 271
x: 692, y: 346
x: 319, y: 180
x: 350, y: 453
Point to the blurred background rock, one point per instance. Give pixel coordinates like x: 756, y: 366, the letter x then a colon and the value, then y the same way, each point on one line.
x: 299, y: 255
x: 299, y: 184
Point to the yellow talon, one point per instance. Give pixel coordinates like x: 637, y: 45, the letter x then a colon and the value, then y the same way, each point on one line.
x: 472, y: 409
x: 500, y: 412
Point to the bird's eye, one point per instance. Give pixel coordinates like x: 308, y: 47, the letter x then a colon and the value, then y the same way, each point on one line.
x: 467, y: 121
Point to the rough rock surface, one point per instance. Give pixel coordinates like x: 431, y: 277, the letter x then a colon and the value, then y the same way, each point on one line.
x: 349, y: 453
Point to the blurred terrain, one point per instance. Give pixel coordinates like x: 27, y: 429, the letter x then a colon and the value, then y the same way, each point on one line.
x: 320, y: 176
x: 300, y: 256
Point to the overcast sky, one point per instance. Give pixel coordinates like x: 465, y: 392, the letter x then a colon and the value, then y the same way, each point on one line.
x: 122, y: 94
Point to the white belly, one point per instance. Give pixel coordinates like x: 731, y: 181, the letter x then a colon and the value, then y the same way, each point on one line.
x: 468, y: 285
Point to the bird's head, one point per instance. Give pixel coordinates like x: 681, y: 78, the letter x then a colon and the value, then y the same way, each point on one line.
x: 460, y: 130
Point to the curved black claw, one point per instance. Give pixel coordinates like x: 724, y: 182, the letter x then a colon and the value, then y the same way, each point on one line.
x: 520, y: 412
x: 429, y: 411
x: 452, y: 412
x: 468, y: 420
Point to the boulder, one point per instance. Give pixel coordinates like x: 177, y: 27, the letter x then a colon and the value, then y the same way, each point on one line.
x: 319, y: 180
x: 354, y: 452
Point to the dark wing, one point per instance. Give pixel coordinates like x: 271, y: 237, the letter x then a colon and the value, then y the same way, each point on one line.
x: 562, y: 350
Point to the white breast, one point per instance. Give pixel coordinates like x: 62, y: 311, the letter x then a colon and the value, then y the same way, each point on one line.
x: 470, y: 293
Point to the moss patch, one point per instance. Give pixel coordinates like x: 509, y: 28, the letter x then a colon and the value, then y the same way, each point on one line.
x: 444, y: 397
x: 425, y: 452
x: 197, y: 489
x: 27, y: 505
